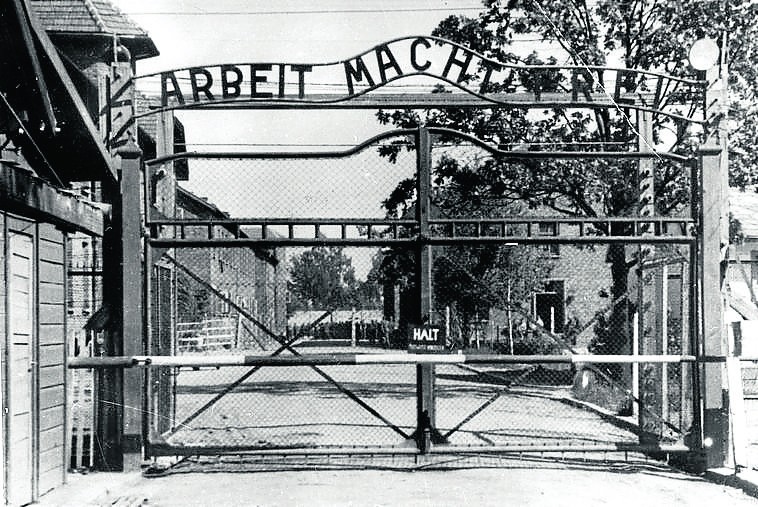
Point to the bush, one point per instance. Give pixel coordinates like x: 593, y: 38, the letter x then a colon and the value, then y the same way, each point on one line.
x: 370, y: 332
x: 535, y: 344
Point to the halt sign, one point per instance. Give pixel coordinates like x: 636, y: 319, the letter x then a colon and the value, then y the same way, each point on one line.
x: 426, y: 339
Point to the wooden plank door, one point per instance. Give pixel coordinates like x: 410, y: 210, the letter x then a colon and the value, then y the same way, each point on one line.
x: 21, y: 319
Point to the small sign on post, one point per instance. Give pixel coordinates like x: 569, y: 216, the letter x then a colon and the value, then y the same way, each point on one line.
x: 426, y: 339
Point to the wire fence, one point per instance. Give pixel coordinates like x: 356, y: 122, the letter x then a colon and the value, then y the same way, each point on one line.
x: 299, y: 282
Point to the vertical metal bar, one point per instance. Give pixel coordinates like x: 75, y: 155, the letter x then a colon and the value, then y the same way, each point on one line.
x: 693, y: 346
x: 147, y: 321
x: 425, y: 403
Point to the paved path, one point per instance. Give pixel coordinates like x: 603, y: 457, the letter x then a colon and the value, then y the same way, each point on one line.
x: 297, y: 407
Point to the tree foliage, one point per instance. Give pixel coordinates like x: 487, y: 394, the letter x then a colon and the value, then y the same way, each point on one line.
x: 650, y: 35
x: 324, y: 278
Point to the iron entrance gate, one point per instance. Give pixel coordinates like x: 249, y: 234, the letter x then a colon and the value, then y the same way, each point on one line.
x: 287, y: 332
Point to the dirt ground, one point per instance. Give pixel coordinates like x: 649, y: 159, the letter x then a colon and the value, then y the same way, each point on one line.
x: 519, y: 483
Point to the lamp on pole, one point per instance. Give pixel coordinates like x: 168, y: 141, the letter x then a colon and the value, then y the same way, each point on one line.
x: 704, y: 55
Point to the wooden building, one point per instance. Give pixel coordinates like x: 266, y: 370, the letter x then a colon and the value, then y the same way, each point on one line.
x: 50, y: 146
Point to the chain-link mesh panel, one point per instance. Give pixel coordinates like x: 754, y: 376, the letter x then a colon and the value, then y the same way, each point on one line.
x: 570, y: 299
x: 318, y: 300
x: 293, y: 407
x: 469, y: 181
x: 520, y: 405
x: 84, y: 297
x: 354, y: 186
x: 526, y: 290
x: 663, y: 314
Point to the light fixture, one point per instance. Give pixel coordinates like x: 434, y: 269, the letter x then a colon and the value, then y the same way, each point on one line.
x: 704, y: 54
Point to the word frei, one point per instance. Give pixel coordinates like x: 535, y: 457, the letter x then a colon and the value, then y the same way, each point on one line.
x: 405, y: 57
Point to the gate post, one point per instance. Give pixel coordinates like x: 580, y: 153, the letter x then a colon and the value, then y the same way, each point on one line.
x: 426, y: 432
x: 120, y: 407
x: 715, y: 419
x: 131, y: 309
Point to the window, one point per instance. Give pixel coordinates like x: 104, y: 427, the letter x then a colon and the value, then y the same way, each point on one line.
x: 548, y: 306
x: 225, y: 306
x: 550, y: 229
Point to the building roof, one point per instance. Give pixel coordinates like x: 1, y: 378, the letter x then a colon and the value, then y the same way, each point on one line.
x: 84, y: 16
x: 93, y: 17
x: 743, y: 204
x: 39, y: 90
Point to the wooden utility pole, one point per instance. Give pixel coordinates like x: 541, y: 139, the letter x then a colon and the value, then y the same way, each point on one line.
x: 133, y: 340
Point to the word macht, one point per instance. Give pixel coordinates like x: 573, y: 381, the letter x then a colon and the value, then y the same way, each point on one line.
x: 410, y: 58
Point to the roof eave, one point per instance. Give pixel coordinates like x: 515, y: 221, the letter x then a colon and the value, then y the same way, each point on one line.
x: 140, y: 46
x: 80, y: 114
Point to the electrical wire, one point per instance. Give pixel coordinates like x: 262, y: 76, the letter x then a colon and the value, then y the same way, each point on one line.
x: 26, y: 133
x: 310, y: 11
x: 581, y: 61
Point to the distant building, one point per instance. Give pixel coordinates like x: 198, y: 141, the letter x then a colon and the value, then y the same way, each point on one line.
x: 742, y: 275
x: 252, y: 278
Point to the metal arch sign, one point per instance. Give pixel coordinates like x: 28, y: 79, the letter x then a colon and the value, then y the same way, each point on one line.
x: 474, y: 80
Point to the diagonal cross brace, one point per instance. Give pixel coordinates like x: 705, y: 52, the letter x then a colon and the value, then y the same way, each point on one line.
x: 493, y: 398
x: 560, y: 341
x: 285, y: 345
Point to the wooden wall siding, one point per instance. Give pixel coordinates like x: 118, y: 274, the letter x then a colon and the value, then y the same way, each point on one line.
x: 51, y: 358
x: 20, y: 397
x: 3, y: 323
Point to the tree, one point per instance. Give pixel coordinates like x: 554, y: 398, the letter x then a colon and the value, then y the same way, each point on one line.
x: 470, y: 280
x: 323, y: 278
x: 474, y: 279
x: 646, y: 35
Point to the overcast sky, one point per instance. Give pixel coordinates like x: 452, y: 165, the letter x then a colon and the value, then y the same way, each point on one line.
x: 198, y: 32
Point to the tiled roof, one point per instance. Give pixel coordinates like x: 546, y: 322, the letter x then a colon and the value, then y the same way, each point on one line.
x: 744, y: 206
x: 84, y: 16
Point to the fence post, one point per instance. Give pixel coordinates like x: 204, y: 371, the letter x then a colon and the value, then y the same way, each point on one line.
x: 426, y: 432
x: 131, y: 311
x: 122, y: 291
x: 715, y: 418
